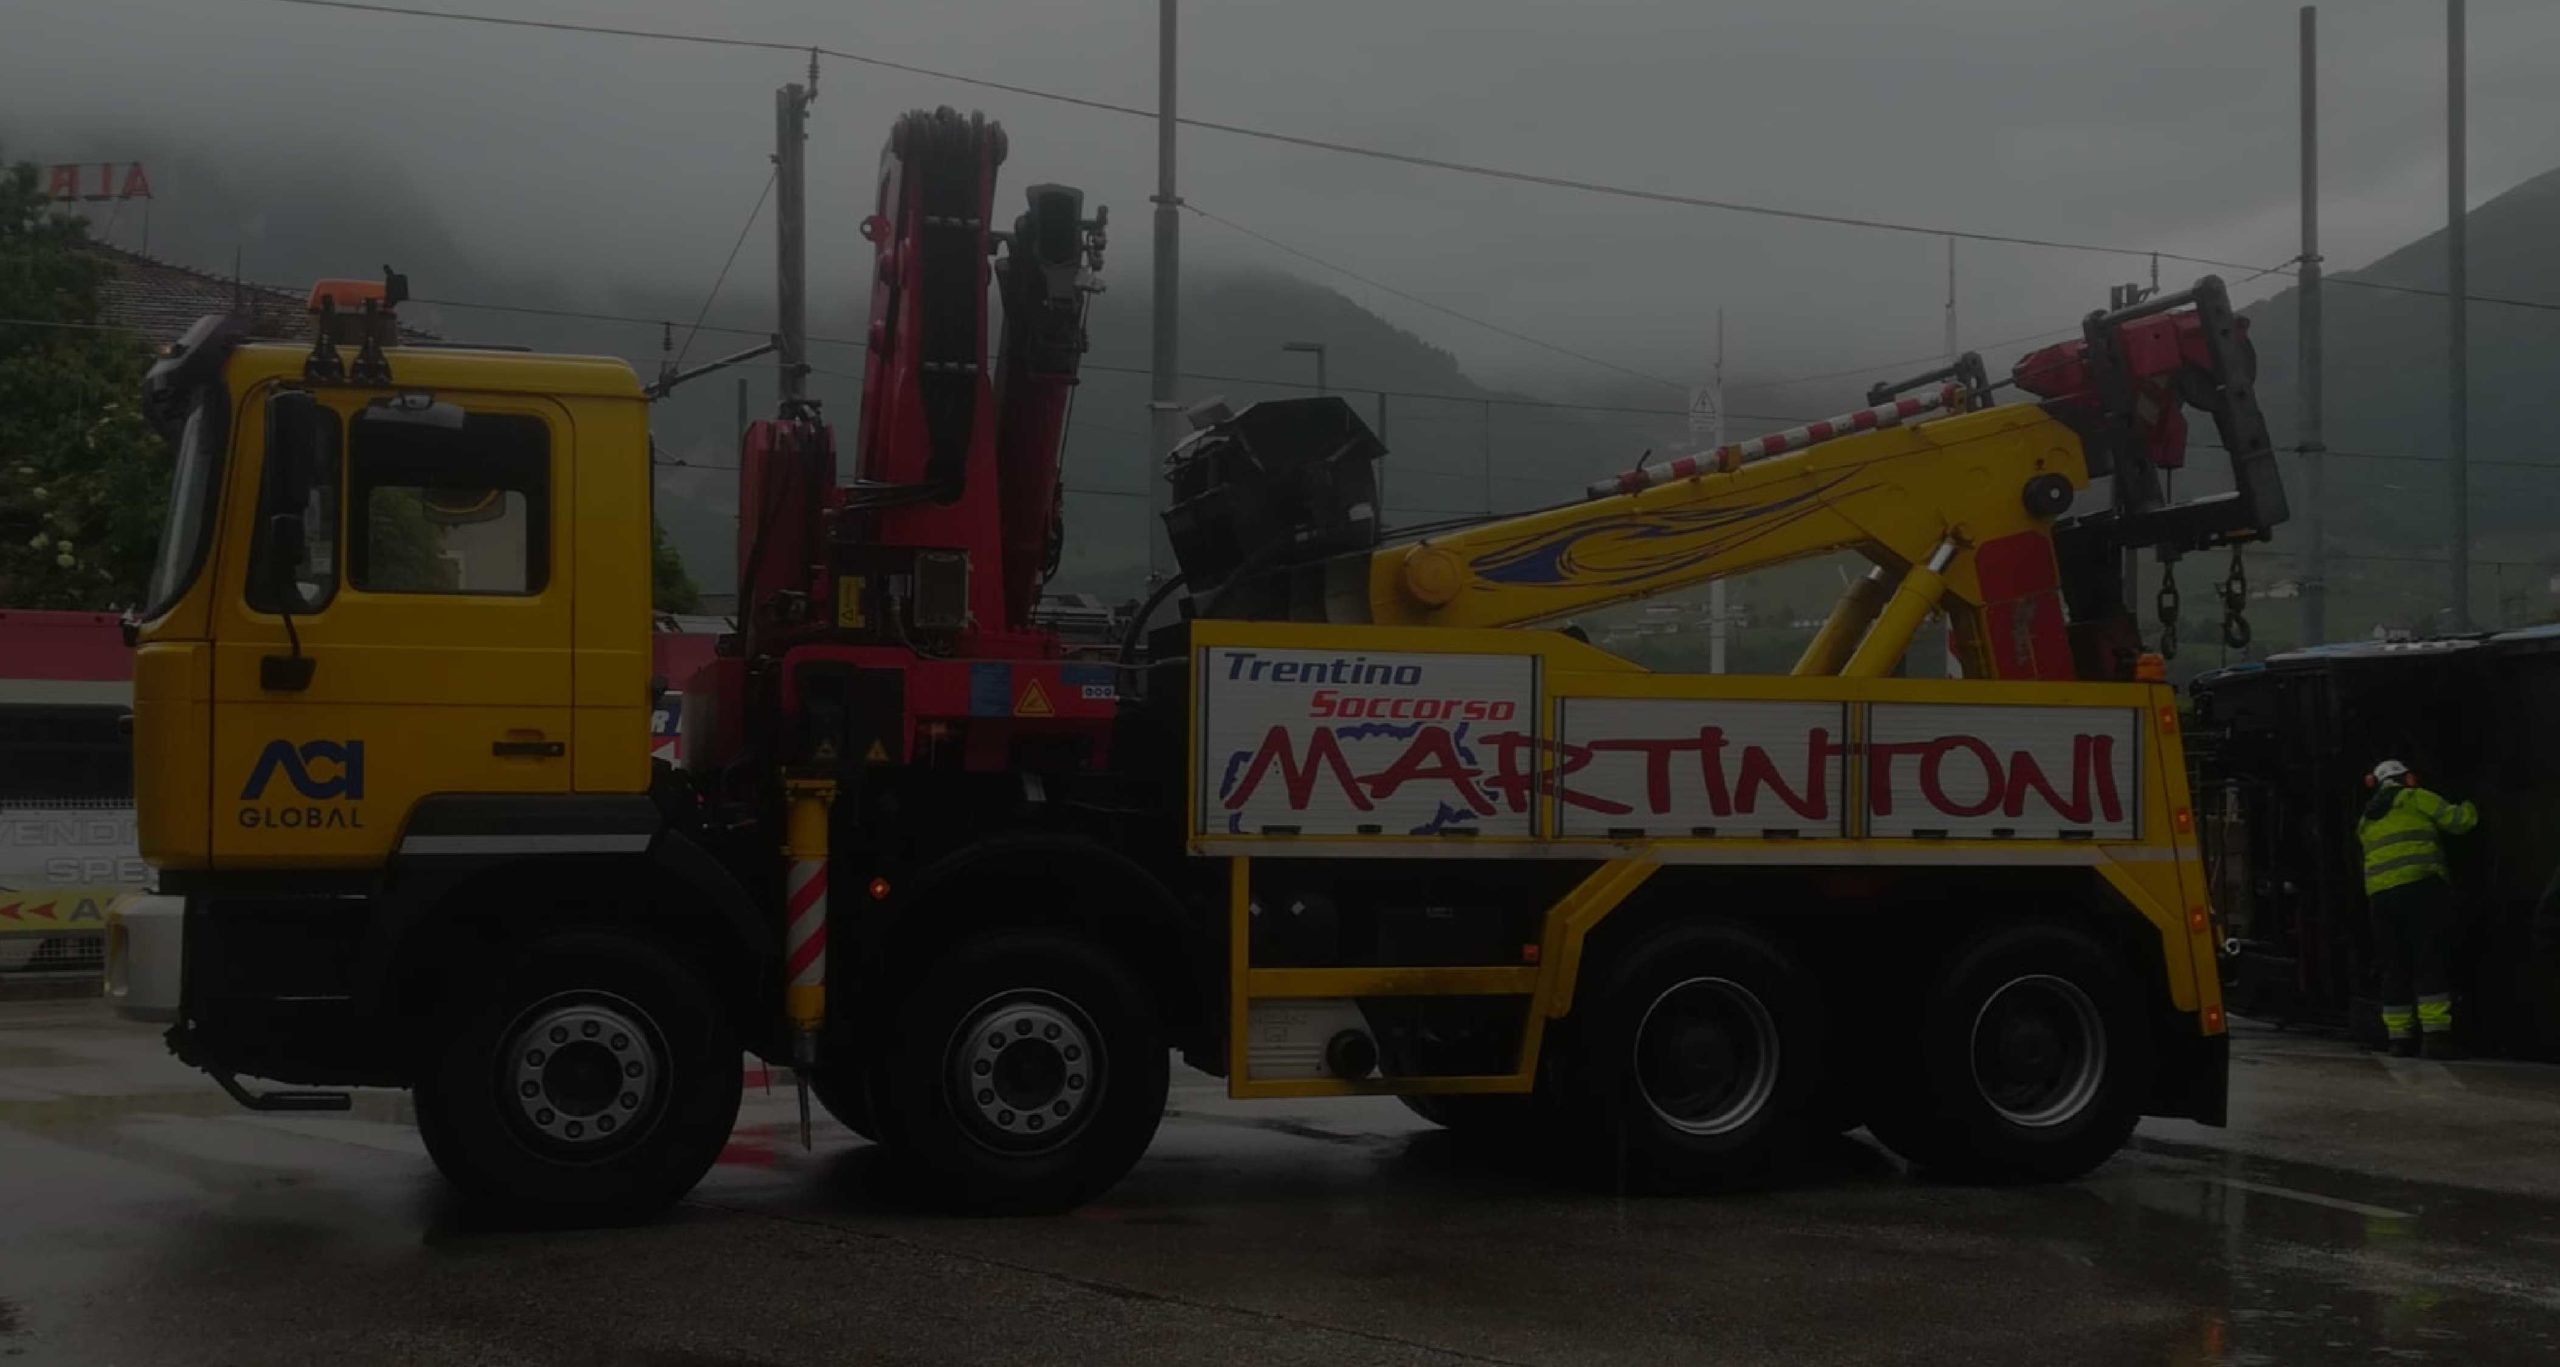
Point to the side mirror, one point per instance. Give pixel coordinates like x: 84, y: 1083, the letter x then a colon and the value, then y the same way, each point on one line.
x: 301, y: 460
x: 302, y: 450
x: 291, y: 672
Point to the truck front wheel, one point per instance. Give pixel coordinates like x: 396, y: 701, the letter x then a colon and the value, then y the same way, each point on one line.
x: 1028, y: 1073
x: 2028, y: 1061
x: 595, y: 1082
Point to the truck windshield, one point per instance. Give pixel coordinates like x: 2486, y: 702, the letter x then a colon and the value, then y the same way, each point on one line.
x: 194, y: 489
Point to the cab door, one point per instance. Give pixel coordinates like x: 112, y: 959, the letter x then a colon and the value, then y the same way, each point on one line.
x: 402, y: 625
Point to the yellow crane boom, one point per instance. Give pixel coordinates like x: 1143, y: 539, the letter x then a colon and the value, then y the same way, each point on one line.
x: 1963, y: 514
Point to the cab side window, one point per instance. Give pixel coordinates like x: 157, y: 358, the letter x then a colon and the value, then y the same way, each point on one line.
x: 450, y: 510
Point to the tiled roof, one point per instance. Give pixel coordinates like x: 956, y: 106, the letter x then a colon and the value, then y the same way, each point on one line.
x: 159, y: 301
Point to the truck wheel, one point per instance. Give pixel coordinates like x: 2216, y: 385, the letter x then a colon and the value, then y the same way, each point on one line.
x: 1029, y: 1074
x: 2030, y: 1061
x: 596, y: 1083
x: 1695, y: 1060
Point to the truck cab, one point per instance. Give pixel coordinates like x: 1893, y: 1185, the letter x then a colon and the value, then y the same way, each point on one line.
x: 398, y: 636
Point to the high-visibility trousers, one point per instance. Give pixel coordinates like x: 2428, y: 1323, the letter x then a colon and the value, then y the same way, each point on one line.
x: 2412, y: 942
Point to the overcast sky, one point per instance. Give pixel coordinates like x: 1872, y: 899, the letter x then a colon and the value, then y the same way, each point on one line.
x: 2153, y: 123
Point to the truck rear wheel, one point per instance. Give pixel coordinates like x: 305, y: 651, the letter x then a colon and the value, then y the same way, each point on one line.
x: 595, y: 1082
x: 2029, y: 1061
x: 1029, y: 1073
x: 1694, y: 1060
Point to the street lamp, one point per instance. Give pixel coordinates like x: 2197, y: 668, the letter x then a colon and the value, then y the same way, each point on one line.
x: 1317, y: 349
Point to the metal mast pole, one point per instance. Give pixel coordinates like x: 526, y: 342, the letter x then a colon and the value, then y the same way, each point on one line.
x: 2457, y: 286
x: 2315, y: 572
x: 1951, y: 300
x: 1716, y: 599
x: 1164, y: 410
x: 791, y: 259
x: 1954, y: 664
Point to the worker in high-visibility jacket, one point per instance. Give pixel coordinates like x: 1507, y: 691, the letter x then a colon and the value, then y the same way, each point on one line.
x: 2411, y: 893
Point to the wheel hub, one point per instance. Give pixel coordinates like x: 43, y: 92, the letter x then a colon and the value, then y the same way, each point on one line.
x: 1024, y: 1071
x: 582, y: 1072
x: 2039, y: 1051
x: 1706, y: 1056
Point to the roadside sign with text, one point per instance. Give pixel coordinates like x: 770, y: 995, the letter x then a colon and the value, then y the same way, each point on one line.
x: 96, y: 180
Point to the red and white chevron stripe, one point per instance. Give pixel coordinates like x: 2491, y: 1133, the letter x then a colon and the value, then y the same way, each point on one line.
x: 805, y: 926
x: 1725, y: 459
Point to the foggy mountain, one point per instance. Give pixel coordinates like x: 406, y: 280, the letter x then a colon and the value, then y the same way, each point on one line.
x: 2387, y: 414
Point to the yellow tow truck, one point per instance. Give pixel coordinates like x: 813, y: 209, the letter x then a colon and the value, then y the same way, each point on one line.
x: 1355, y: 824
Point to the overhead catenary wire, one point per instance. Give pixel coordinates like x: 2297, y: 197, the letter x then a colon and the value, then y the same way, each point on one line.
x: 1276, y: 382
x: 1449, y: 165
x: 1382, y: 154
x: 1433, y: 305
x: 722, y: 278
x: 65, y: 326
x: 1930, y: 358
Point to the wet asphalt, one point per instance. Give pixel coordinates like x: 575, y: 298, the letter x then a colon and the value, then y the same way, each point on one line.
x: 2358, y: 1210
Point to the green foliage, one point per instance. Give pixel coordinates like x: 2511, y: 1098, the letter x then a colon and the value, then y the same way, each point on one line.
x: 671, y: 588
x: 404, y: 548
x: 82, y: 477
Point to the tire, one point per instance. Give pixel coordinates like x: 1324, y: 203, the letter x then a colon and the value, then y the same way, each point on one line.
x: 2030, y: 1062
x: 1066, y: 1068
x: 841, y: 1091
x: 518, y: 1098
x: 1693, y: 1062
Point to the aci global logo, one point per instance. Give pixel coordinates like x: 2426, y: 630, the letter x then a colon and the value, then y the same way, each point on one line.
x: 323, y: 771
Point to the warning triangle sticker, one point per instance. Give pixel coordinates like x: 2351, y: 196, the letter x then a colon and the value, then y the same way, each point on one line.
x: 1034, y: 702
x: 879, y: 754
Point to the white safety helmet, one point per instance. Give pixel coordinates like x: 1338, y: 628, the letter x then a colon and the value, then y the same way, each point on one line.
x: 2390, y: 771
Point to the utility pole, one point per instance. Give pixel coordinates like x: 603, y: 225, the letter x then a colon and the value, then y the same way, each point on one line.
x: 1164, y: 410
x: 1315, y: 349
x: 1954, y: 661
x: 2457, y: 286
x: 791, y: 256
x: 1951, y: 301
x: 2315, y: 572
x: 1382, y: 465
x: 1713, y: 434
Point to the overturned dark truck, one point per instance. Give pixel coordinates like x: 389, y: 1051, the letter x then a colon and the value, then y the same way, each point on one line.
x: 2278, y: 750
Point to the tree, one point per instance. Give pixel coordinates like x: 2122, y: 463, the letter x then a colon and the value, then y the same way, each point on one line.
x: 83, y: 478
x: 671, y: 587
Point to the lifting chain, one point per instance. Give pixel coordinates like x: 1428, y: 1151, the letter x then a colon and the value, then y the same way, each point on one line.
x: 2235, y: 604
x: 2167, y: 606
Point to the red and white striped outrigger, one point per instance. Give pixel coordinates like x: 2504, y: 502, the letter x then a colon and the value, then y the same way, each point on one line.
x: 1726, y: 459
